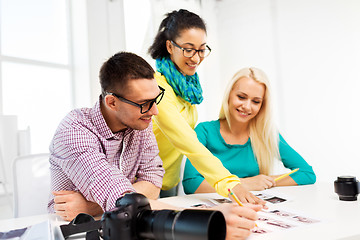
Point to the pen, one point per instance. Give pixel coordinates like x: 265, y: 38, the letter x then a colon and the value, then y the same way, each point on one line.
x: 285, y: 175
x: 237, y: 200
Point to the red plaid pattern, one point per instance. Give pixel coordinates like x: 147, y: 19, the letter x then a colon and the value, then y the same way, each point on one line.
x: 87, y: 156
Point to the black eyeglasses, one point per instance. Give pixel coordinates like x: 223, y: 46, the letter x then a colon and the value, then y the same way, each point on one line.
x: 144, y: 107
x: 190, y: 52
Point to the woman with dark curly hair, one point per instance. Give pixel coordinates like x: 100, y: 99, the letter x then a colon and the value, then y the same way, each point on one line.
x: 179, y: 48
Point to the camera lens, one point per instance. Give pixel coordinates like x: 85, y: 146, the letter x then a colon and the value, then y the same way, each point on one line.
x: 347, y: 187
x: 133, y: 219
x: 181, y: 225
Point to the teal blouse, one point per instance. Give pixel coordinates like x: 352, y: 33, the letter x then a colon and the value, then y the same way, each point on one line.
x: 240, y: 159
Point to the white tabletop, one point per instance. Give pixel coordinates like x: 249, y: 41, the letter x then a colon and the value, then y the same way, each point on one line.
x: 339, y: 219
x: 14, y: 223
x: 18, y: 223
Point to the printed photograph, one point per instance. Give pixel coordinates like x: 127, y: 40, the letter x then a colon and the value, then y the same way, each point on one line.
x: 275, y: 222
x: 279, y: 224
x: 201, y: 205
x: 270, y: 198
x: 263, y: 196
x: 305, y: 220
x: 281, y: 213
x: 222, y: 200
x: 260, y: 230
x: 275, y: 200
x: 263, y: 219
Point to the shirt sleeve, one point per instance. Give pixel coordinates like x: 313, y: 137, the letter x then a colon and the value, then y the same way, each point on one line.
x: 77, y: 153
x: 150, y: 168
x: 291, y: 159
x: 192, y: 178
x: 184, y: 139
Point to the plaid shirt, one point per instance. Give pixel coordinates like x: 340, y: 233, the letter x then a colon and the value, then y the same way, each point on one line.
x: 86, y: 156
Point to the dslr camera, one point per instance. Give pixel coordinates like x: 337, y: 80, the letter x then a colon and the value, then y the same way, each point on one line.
x: 133, y: 219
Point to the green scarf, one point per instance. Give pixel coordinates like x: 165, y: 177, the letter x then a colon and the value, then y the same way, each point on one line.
x: 187, y: 87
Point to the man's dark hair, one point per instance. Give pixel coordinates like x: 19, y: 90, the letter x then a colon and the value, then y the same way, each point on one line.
x: 120, y: 68
x: 171, y: 27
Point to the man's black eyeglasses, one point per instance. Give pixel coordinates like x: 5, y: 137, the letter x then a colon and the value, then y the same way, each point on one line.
x: 190, y: 52
x: 146, y: 106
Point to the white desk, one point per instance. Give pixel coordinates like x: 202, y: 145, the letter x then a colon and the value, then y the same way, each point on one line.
x: 339, y: 219
x: 17, y: 223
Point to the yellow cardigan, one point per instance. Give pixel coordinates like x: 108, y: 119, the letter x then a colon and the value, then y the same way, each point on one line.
x: 174, y: 131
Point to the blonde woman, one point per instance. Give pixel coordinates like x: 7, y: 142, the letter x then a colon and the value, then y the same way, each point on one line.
x: 246, y: 140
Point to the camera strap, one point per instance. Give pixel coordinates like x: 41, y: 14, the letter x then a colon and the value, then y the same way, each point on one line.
x: 82, y: 223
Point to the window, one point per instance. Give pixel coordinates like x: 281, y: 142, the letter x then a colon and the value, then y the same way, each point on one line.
x: 35, y: 63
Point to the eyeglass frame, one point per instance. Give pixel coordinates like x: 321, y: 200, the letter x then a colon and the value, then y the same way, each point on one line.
x: 196, y: 50
x: 151, y: 101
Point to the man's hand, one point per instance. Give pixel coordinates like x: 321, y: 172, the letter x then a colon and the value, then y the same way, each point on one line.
x: 68, y: 204
x: 239, y: 220
x: 245, y: 196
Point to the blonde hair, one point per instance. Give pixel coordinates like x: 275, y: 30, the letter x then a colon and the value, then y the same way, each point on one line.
x: 263, y: 133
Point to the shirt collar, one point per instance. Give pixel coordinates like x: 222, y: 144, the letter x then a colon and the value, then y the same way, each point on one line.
x: 100, y: 124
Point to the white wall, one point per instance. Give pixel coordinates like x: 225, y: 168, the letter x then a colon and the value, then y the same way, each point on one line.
x: 236, y: 28
x: 105, y: 37
x: 310, y: 50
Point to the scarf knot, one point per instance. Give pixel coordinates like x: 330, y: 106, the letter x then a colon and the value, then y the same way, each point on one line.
x: 187, y: 87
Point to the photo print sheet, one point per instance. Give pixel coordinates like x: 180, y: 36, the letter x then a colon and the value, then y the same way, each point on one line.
x: 208, y: 203
x: 271, y: 196
x: 276, y: 219
x: 268, y: 195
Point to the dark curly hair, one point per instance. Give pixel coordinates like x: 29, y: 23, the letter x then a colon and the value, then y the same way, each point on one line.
x: 170, y: 28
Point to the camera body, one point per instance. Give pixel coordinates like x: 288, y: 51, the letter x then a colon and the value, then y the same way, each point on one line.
x: 120, y: 223
x: 347, y: 187
x: 133, y: 219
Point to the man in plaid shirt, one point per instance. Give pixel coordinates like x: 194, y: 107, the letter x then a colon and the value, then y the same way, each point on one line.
x: 98, y: 154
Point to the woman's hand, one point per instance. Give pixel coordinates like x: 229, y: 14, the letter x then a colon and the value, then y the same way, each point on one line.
x: 245, y: 196
x: 258, y: 183
x: 68, y: 204
x: 239, y: 220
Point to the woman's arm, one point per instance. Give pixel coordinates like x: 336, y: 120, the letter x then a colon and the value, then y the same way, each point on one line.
x: 184, y: 139
x: 287, y: 181
x: 292, y: 160
x: 256, y: 183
